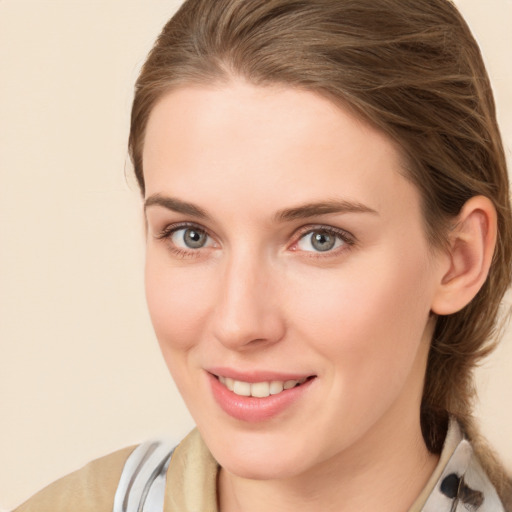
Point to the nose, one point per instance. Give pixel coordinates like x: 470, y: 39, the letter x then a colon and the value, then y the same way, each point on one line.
x: 247, y: 313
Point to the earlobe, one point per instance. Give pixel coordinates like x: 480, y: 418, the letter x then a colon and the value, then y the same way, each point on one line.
x: 470, y: 251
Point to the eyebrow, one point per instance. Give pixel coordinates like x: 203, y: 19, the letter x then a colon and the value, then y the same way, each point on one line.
x: 176, y: 205
x: 322, y: 208
x: 303, y: 211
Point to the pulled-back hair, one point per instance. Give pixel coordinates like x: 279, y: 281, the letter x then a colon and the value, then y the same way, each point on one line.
x: 412, y: 69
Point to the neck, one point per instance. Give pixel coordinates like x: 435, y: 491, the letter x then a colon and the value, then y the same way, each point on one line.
x: 370, y: 476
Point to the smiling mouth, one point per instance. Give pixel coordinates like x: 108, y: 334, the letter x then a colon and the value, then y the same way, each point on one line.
x: 260, y: 389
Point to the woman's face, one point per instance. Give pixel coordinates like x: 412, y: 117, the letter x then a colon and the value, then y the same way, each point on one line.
x: 286, y: 260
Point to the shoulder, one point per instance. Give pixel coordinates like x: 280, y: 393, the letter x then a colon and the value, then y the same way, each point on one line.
x: 90, y: 489
x: 152, y: 476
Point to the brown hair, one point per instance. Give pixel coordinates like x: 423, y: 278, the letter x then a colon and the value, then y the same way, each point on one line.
x: 411, y: 68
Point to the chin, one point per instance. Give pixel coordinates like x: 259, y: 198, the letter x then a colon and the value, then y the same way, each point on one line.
x: 259, y: 468
x: 260, y: 459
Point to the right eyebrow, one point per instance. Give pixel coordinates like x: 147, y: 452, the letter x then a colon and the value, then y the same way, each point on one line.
x: 176, y: 205
x: 322, y: 208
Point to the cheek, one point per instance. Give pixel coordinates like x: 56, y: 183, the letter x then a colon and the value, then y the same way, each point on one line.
x: 368, y: 317
x: 177, y: 300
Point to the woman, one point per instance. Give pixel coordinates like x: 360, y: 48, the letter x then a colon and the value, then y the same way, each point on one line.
x: 328, y: 242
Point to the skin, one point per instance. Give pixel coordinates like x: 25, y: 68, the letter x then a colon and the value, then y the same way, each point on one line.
x: 258, y: 296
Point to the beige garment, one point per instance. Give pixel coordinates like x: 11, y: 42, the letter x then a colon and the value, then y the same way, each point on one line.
x: 90, y: 489
x: 192, y: 483
x: 191, y: 477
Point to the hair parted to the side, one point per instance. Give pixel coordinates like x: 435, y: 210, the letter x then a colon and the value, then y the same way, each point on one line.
x: 412, y: 69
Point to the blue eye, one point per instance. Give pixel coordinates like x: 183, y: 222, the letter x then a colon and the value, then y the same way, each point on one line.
x: 320, y: 240
x: 189, y: 238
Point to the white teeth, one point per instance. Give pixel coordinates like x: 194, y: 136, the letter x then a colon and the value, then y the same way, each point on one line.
x: 230, y: 383
x: 276, y: 386
x: 259, y: 389
x: 242, y: 388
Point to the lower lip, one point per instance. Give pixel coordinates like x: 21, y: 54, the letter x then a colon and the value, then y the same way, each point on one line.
x: 252, y: 409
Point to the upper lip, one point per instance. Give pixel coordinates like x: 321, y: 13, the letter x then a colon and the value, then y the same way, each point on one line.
x: 257, y: 375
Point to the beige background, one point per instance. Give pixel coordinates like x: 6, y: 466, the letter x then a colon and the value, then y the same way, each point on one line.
x: 80, y: 371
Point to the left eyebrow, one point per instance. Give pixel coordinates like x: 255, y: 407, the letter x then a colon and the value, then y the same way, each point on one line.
x: 311, y: 209
x: 176, y: 205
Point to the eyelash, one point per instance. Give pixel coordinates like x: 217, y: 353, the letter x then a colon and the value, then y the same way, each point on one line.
x: 346, y: 238
x: 169, y: 230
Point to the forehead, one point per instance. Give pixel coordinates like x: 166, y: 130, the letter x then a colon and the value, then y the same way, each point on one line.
x: 278, y: 143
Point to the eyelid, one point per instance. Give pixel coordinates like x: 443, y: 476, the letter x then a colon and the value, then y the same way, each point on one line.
x: 166, y: 233
x: 347, y: 237
x: 169, y: 229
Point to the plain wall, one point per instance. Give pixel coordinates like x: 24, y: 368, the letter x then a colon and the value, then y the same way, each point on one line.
x: 80, y: 371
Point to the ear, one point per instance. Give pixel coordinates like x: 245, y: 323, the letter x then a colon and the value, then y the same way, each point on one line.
x: 469, y: 255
